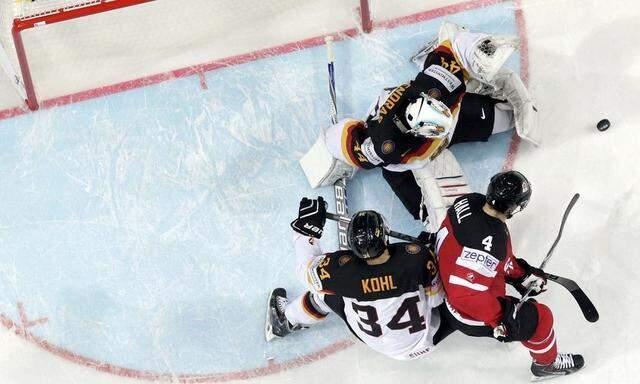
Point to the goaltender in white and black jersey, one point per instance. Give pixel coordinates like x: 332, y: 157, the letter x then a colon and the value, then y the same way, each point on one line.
x: 461, y: 94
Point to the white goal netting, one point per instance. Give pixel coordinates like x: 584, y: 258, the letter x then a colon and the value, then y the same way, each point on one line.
x: 158, y: 36
x: 31, y: 8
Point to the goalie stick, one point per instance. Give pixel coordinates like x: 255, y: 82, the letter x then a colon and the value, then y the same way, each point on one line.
x: 397, y: 235
x: 340, y: 186
x: 525, y: 297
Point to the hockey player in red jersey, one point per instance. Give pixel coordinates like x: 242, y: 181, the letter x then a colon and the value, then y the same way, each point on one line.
x: 475, y: 259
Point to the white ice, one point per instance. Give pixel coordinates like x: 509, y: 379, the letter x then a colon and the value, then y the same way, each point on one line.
x: 584, y: 65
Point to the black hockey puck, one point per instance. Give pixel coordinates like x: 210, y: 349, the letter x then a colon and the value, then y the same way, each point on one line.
x: 603, y: 125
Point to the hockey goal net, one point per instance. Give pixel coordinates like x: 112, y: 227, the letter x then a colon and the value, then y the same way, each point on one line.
x: 59, y: 51
x: 24, y: 15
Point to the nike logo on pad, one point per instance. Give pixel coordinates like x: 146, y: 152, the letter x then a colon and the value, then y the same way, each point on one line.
x: 482, y: 117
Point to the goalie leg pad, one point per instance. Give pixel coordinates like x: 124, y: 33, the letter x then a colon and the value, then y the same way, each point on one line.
x: 447, y: 31
x: 509, y: 86
x: 441, y: 182
x: 324, y: 163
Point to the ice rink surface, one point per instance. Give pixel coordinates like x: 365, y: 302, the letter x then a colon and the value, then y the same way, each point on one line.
x: 140, y: 232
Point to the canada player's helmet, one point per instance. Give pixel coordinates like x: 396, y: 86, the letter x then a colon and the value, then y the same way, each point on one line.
x: 368, y: 234
x: 508, y: 192
x: 428, y: 117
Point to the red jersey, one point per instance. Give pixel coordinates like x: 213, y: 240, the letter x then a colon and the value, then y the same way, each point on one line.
x: 474, y: 257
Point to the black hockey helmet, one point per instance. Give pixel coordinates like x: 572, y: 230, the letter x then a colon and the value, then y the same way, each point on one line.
x: 367, y: 234
x: 508, y: 192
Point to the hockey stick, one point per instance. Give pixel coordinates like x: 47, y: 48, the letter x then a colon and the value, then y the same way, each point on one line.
x: 397, y: 235
x: 589, y: 311
x: 340, y: 186
x: 525, y: 297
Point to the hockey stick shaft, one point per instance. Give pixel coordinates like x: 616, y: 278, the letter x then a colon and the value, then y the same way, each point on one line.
x: 397, y: 235
x: 340, y: 186
x: 525, y: 297
x: 332, y: 81
x: 589, y: 310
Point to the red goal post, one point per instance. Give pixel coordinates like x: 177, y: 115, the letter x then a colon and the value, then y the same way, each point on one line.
x: 52, y: 12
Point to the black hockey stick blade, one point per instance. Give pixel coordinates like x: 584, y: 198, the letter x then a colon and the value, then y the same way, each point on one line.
x: 397, y: 235
x: 589, y: 311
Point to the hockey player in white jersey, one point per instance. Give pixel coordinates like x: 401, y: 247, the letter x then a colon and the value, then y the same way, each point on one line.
x: 385, y: 293
x: 462, y: 94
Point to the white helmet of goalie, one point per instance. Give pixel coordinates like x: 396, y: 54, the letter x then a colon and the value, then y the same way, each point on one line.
x: 428, y: 117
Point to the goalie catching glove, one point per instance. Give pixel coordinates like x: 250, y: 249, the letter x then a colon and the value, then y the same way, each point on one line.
x: 532, y: 276
x: 311, y: 217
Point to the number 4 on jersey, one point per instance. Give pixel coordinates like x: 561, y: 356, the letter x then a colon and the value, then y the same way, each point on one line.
x: 487, y: 242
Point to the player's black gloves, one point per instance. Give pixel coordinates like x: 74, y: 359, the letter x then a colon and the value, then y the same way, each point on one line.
x: 522, y: 327
x: 428, y: 239
x: 311, y: 217
x: 532, y: 275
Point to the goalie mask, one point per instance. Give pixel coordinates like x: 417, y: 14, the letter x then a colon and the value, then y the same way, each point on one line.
x: 428, y: 117
x: 483, y: 55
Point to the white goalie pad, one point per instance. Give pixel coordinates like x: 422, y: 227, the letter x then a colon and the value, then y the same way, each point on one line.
x: 508, y: 86
x: 441, y: 182
x: 321, y: 168
x: 447, y: 31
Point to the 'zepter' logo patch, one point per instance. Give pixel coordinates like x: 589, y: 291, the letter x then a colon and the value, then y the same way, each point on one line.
x: 412, y: 248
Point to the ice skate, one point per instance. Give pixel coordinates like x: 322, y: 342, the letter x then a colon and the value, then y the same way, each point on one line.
x: 565, y: 364
x: 276, y: 324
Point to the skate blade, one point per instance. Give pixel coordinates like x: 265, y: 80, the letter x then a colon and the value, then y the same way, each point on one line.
x: 541, y: 378
x: 268, y: 329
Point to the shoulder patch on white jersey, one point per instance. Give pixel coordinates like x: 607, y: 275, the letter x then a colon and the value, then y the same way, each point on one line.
x: 448, y: 79
x: 478, y: 261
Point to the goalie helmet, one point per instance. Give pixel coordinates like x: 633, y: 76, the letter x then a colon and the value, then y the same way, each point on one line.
x: 508, y: 192
x: 368, y: 234
x: 428, y: 117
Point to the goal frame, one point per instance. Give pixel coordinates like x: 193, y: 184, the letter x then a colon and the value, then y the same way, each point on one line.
x: 54, y: 16
x: 83, y: 9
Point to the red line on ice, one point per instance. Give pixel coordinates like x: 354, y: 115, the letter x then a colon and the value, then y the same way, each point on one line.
x: 272, y: 367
